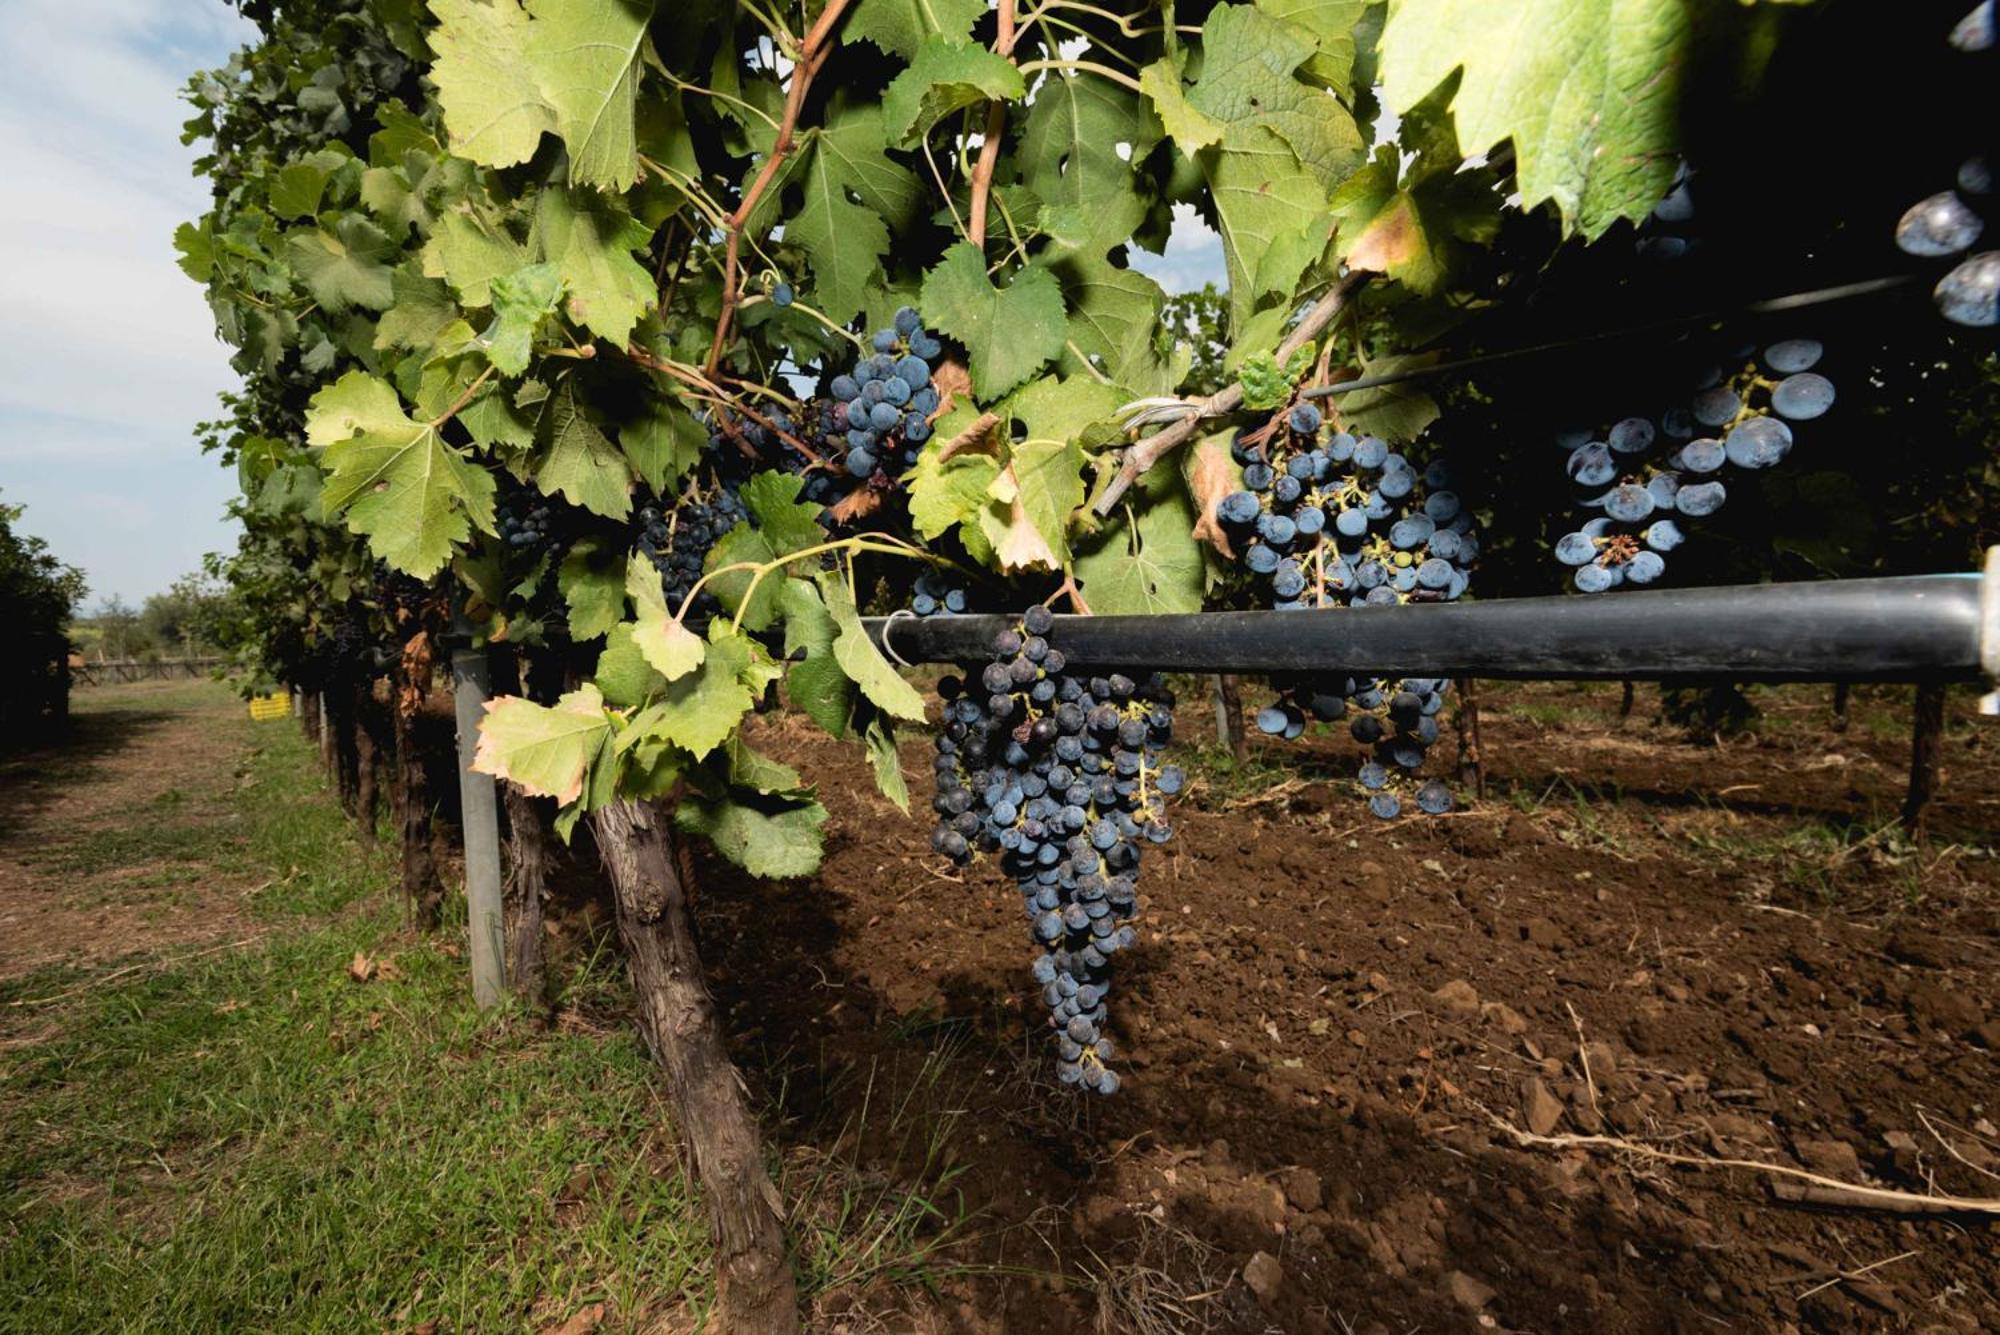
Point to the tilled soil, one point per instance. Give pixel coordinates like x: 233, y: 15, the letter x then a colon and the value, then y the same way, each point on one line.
x: 1365, y: 1062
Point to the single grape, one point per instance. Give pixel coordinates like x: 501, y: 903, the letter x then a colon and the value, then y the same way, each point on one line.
x: 1628, y: 503
x: 1594, y: 578
x: 1633, y: 435
x: 1704, y: 455
x: 781, y: 295
x: 1305, y: 419
x: 1759, y: 442
x: 1703, y: 498
x: 907, y: 322
x: 1386, y: 806
x: 1662, y: 535
x: 1645, y: 567
x: 1975, y: 177
x: 1434, y: 799
x: 1970, y: 294
x: 1802, y: 397
x: 1716, y: 406
x: 1975, y: 32
x: 1938, y: 226
x: 1793, y: 355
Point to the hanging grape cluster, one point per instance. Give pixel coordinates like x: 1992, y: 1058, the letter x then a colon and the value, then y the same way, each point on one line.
x: 1645, y: 477
x: 1950, y: 222
x: 1331, y: 520
x: 932, y: 594
x: 1061, y: 774
x: 879, y: 412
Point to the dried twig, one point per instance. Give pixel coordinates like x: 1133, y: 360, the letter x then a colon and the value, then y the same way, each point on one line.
x: 1142, y: 455
x: 1799, y: 1185
x: 996, y: 126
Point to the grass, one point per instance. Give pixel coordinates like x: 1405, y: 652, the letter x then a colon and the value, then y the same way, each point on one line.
x: 249, y: 1138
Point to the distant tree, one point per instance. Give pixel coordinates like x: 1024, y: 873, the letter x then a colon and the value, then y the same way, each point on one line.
x: 37, y: 595
x: 189, y: 616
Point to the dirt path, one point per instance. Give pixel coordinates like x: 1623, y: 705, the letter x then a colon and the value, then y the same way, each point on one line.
x: 121, y: 840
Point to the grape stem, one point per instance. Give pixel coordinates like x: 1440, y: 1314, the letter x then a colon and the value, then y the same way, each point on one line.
x: 1143, y: 454
x: 812, y: 54
x: 882, y: 544
x: 996, y: 125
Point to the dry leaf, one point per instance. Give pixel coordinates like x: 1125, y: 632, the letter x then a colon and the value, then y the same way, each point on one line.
x: 361, y: 968
x: 584, y: 1321
x: 952, y: 380
x: 230, y: 1005
x: 1212, y: 475
x: 976, y: 436
x: 856, y: 504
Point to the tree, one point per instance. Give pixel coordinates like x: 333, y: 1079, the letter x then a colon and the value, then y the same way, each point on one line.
x: 37, y: 594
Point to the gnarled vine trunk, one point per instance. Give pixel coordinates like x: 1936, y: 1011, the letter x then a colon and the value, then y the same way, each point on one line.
x: 1471, y: 767
x: 755, y: 1289
x: 529, y: 825
x: 423, y: 895
x: 372, y: 740
x: 1926, y: 755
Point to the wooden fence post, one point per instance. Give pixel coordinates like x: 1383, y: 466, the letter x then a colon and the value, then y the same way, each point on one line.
x: 480, y: 824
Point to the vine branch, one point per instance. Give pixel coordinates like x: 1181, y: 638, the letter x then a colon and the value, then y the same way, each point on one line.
x: 996, y: 125
x: 812, y: 54
x: 1143, y: 454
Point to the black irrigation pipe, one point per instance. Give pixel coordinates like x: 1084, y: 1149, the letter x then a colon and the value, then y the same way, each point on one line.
x: 1920, y: 628
x: 1771, y: 306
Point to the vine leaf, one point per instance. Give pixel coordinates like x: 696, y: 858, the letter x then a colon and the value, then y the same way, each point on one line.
x: 591, y: 239
x: 1070, y: 157
x: 470, y: 251
x: 345, y: 268
x: 767, y: 838
x: 1397, y: 413
x: 663, y: 443
x: 899, y: 27
x: 1148, y: 562
x: 521, y: 301
x: 880, y: 739
x: 1330, y: 25
x: 1589, y: 91
x: 1271, y: 213
x: 815, y: 682
x: 493, y: 113
x: 852, y: 195
x: 1211, y: 475
x: 585, y: 58
x: 413, y: 496
x: 545, y: 750
x: 579, y: 462
x: 946, y: 76
x: 1010, y: 332
x: 1190, y: 128
x: 698, y: 711
x: 1247, y: 66
x: 589, y: 581
x: 421, y: 311
x: 670, y: 647
x: 861, y: 660
x: 623, y: 673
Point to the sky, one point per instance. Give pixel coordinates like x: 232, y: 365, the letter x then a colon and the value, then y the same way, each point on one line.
x: 108, y: 356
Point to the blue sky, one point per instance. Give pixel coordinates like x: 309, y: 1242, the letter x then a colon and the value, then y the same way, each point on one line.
x: 107, y: 353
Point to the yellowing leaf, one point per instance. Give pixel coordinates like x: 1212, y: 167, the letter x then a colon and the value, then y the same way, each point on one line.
x: 493, y: 113
x: 544, y: 749
x: 672, y: 649
x: 585, y: 58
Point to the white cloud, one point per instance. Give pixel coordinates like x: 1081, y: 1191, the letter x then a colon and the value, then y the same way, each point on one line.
x: 107, y: 351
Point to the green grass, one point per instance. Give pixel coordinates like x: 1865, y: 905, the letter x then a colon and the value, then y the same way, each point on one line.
x: 248, y: 1138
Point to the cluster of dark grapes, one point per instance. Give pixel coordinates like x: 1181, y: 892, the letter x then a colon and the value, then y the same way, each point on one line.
x: 878, y: 414
x: 676, y: 538
x: 1644, y: 477
x: 1948, y: 223
x: 526, y: 518
x: 931, y: 594
x: 1669, y: 231
x: 1336, y: 521
x: 1061, y: 774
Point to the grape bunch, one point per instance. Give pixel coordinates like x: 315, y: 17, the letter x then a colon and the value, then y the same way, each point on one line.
x: 676, y: 538
x: 525, y: 517
x: 1061, y: 774
x: 879, y: 412
x: 1644, y: 477
x: 931, y: 594
x: 1950, y: 222
x: 1336, y: 521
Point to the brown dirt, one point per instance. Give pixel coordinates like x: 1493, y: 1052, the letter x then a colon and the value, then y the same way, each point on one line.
x: 88, y: 825
x: 1704, y: 950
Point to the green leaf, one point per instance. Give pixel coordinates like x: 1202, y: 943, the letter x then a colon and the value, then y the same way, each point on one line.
x: 1009, y: 332
x: 671, y: 648
x: 197, y: 251
x: 945, y: 76
x: 469, y: 251
x: 788, y: 524
x: 584, y: 55
x: 861, y: 660
x: 815, y: 682
x: 1151, y: 563
x: 1271, y: 213
x: 744, y: 544
x: 579, y: 462
x: 759, y: 773
x: 1330, y: 26
x: 1247, y: 64
x: 545, y: 750
x: 412, y: 495
x: 880, y: 739
x: 899, y: 27
x: 1397, y: 413
x: 521, y: 301
x: 493, y: 112
x: 663, y: 444
x: 1589, y: 91
x: 766, y: 838
x: 699, y: 711
x: 591, y: 583
x: 1115, y: 325
x: 1190, y: 128
x: 1410, y: 226
x: 1266, y: 384
x: 591, y: 239
x: 623, y: 673
x: 422, y: 309
x: 852, y: 194
x: 948, y: 492
x: 1041, y: 489
x: 1069, y: 154
x: 345, y: 267
x: 297, y: 190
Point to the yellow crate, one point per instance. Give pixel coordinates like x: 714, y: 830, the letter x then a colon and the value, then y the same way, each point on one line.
x: 263, y: 708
